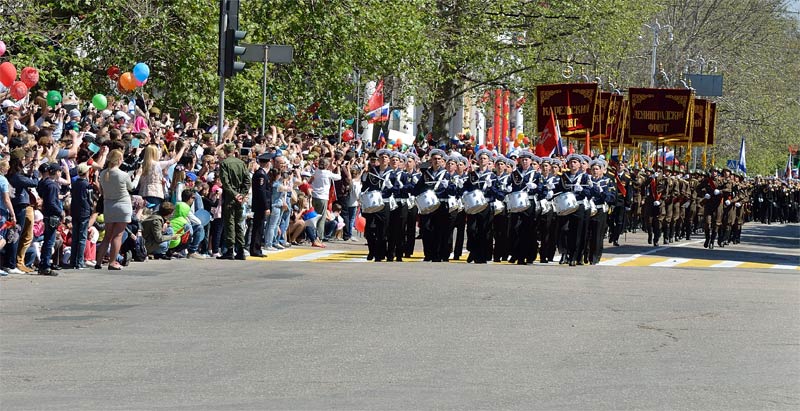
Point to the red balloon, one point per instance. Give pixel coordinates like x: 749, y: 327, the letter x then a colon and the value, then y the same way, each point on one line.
x: 19, y: 90
x: 348, y: 135
x: 113, y: 73
x: 526, y: 140
x: 8, y: 74
x: 29, y: 76
x: 490, y: 146
x: 361, y: 223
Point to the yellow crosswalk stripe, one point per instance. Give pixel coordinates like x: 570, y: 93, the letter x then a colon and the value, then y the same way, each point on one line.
x: 339, y: 256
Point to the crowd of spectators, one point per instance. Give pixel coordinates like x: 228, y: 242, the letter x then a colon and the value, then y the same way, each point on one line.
x: 83, y: 187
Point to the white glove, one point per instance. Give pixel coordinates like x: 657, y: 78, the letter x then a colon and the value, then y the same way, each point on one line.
x: 549, y: 195
x: 686, y: 205
x: 415, y: 180
x: 717, y: 192
x: 738, y: 205
x: 577, y: 188
x: 531, y: 185
x: 727, y: 202
x: 707, y: 196
x: 627, y: 209
x: 445, y: 183
x: 656, y: 203
x: 459, y: 183
x: 551, y: 186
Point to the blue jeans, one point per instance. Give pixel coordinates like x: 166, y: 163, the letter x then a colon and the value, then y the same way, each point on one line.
x: 271, y: 234
x: 164, y: 247
x: 198, y: 235
x: 50, y: 231
x: 284, y: 225
x: 80, y: 229
x: 349, y: 217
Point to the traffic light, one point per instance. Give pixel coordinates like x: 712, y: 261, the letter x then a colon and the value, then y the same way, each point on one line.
x: 232, y: 52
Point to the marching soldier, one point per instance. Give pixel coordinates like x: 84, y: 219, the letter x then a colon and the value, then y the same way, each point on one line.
x: 574, y: 180
x: 397, y: 216
x: 604, y: 196
x: 548, y: 221
x: 653, y: 204
x: 479, y: 226
x: 457, y: 166
x: 728, y: 215
x: 378, y: 178
x: 500, y: 252
x: 413, y: 176
x: 435, y: 226
x: 524, y: 244
x: 622, y: 203
x: 712, y: 206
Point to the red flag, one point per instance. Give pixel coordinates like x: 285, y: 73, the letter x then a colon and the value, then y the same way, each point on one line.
x: 571, y: 149
x: 376, y: 100
x: 549, y: 138
x: 587, y: 146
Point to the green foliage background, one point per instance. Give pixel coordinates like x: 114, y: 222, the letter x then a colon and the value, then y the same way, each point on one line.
x: 435, y: 50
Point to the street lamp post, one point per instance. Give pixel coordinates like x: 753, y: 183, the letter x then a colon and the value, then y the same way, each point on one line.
x: 656, y: 29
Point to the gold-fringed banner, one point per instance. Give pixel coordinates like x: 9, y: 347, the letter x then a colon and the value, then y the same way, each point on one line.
x: 601, y: 115
x: 712, y: 125
x: 657, y: 114
x: 702, y: 111
x: 573, y: 104
x: 614, y: 120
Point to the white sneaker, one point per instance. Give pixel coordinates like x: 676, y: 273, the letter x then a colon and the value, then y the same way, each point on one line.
x: 15, y: 270
x: 271, y: 249
x: 279, y: 247
x: 196, y: 256
x: 354, y: 240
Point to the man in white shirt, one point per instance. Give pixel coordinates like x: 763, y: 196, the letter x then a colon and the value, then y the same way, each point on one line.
x: 321, y: 189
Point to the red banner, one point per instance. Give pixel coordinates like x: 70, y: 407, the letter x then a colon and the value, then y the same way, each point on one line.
x: 572, y: 104
x: 660, y: 113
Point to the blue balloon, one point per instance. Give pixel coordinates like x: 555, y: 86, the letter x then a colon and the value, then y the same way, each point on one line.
x: 141, y: 72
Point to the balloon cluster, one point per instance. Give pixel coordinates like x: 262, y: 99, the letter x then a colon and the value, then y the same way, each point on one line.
x: 521, y: 140
x: 129, y: 80
x: 8, y: 77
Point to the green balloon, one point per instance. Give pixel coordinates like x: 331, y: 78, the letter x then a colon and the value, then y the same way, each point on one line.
x: 99, y: 101
x: 53, y: 98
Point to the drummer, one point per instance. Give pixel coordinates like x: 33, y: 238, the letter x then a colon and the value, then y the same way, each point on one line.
x: 397, y: 217
x: 574, y: 181
x: 378, y: 178
x: 524, y: 242
x: 605, y: 194
x: 548, y: 227
x: 479, y: 225
x: 502, y: 184
x: 413, y: 176
x: 458, y: 219
x: 434, y: 226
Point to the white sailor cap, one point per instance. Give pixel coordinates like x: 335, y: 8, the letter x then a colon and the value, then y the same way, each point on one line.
x: 384, y: 152
x: 484, y: 152
x: 598, y: 162
x: 585, y: 158
x: 576, y: 157
x: 438, y: 152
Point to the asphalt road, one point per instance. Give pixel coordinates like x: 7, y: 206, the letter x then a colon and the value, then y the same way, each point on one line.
x: 304, y: 335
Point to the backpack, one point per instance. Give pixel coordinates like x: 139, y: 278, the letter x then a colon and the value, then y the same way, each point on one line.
x: 139, y: 250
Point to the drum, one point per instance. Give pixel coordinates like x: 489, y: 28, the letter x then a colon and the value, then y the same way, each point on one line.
x: 474, y: 202
x: 518, y: 202
x: 498, y: 207
x: 371, y: 202
x: 427, y: 202
x: 204, y: 216
x: 545, y: 206
x: 565, y: 203
x: 453, y: 204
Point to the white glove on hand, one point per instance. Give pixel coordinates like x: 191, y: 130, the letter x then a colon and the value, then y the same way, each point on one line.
x: 577, y: 188
x: 727, y: 202
x: 707, y: 196
x: 717, y: 192
x: 531, y: 185
x: 459, y: 183
x: 686, y: 205
x: 551, y: 186
x: 656, y: 203
x: 549, y: 195
x: 738, y: 205
x: 415, y: 180
x: 445, y: 183
x: 627, y: 209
